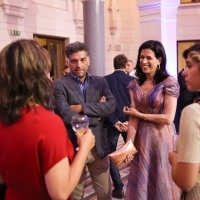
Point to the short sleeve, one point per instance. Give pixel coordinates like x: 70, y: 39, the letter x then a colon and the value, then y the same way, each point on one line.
x: 189, y: 138
x: 54, y: 145
x: 172, y: 87
x: 132, y: 84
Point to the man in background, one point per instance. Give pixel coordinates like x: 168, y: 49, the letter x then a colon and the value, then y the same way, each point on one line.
x: 130, y: 68
x: 185, y: 98
x: 66, y: 70
x: 117, y: 123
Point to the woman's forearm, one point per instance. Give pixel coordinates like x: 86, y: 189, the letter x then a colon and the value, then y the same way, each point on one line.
x: 131, y: 135
x: 62, y: 178
x: 132, y: 128
x: 157, y: 118
x: 185, y: 175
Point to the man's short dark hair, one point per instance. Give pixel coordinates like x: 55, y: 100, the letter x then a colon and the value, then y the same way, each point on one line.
x: 76, y: 47
x: 120, y: 61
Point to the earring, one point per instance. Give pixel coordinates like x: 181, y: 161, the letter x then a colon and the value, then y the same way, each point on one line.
x: 158, y: 67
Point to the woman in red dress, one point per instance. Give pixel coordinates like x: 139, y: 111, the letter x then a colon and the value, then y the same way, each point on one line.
x: 36, y: 156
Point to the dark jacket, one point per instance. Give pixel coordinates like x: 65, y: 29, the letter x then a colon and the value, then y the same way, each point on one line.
x: 67, y: 92
x: 185, y: 94
x: 118, y: 82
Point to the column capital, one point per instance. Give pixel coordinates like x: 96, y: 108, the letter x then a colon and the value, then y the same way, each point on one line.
x: 113, y: 10
x: 162, y: 16
x: 14, y: 8
x: 77, y: 13
x: 157, y: 10
x: 90, y: 0
x: 143, y: 4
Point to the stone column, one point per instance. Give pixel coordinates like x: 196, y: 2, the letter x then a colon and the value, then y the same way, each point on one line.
x: 94, y: 35
x: 158, y: 22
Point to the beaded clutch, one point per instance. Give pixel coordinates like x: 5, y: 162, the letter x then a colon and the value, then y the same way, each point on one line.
x: 119, y: 155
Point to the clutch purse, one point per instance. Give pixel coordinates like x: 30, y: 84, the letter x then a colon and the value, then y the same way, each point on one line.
x: 119, y: 155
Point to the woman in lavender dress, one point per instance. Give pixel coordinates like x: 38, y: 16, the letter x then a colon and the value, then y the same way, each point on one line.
x: 153, y: 104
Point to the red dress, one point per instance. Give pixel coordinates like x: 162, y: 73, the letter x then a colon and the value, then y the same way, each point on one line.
x: 28, y: 149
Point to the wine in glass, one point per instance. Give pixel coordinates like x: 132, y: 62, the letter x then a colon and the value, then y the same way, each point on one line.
x: 80, y: 123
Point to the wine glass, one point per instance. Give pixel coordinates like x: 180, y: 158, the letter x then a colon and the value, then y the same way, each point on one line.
x: 80, y: 124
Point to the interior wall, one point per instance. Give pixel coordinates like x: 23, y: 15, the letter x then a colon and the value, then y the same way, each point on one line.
x: 188, y: 22
x: 63, y: 18
x: 50, y: 18
x: 125, y: 38
x: 188, y: 28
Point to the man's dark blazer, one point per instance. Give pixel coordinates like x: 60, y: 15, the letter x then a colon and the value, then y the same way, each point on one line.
x: 67, y: 92
x: 118, y: 82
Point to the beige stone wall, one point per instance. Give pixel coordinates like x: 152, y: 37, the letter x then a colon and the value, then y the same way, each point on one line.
x: 188, y: 22
x: 55, y: 18
x: 64, y: 18
x: 125, y: 38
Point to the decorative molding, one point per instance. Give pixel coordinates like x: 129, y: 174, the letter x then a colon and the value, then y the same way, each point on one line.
x: 158, y: 11
x: 143, y: 6
x: 188, y: 5
x: 149, y: 6
x: 59, y: 4
x: 113, y: 16
x: 15, y: 9
x: 109, y: 47
x: 77, y: 11
x: 118, y: 47
x: 79, y: 23
x: 89, y: 0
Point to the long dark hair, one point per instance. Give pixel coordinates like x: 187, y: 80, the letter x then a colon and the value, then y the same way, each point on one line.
x: 159, y: 52
x: 24, y: 65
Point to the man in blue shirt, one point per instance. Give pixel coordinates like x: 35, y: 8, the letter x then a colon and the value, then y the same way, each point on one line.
x: 81, y: 93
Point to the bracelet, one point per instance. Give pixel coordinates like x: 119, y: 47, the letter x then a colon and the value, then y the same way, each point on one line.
x: 145, y: 117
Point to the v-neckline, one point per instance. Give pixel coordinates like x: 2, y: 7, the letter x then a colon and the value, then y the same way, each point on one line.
x: 146, y: 94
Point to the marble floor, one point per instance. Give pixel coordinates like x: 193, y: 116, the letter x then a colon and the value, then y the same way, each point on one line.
x: 89, y: 193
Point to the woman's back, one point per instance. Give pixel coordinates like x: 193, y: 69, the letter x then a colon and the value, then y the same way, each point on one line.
x: 28, y: 149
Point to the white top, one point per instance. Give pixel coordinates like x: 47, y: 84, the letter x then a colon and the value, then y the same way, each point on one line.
x: 188, y: 143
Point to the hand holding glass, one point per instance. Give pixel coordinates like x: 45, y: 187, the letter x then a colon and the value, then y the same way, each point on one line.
x: 80, y: 123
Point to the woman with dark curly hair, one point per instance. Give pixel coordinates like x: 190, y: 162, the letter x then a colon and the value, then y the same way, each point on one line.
x: 153, y: 104
x: 36, y: 156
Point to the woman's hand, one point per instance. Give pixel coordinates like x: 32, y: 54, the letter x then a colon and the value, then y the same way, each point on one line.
x: 130, y: 111
x: 128, y: 159
x: 86, y: 141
